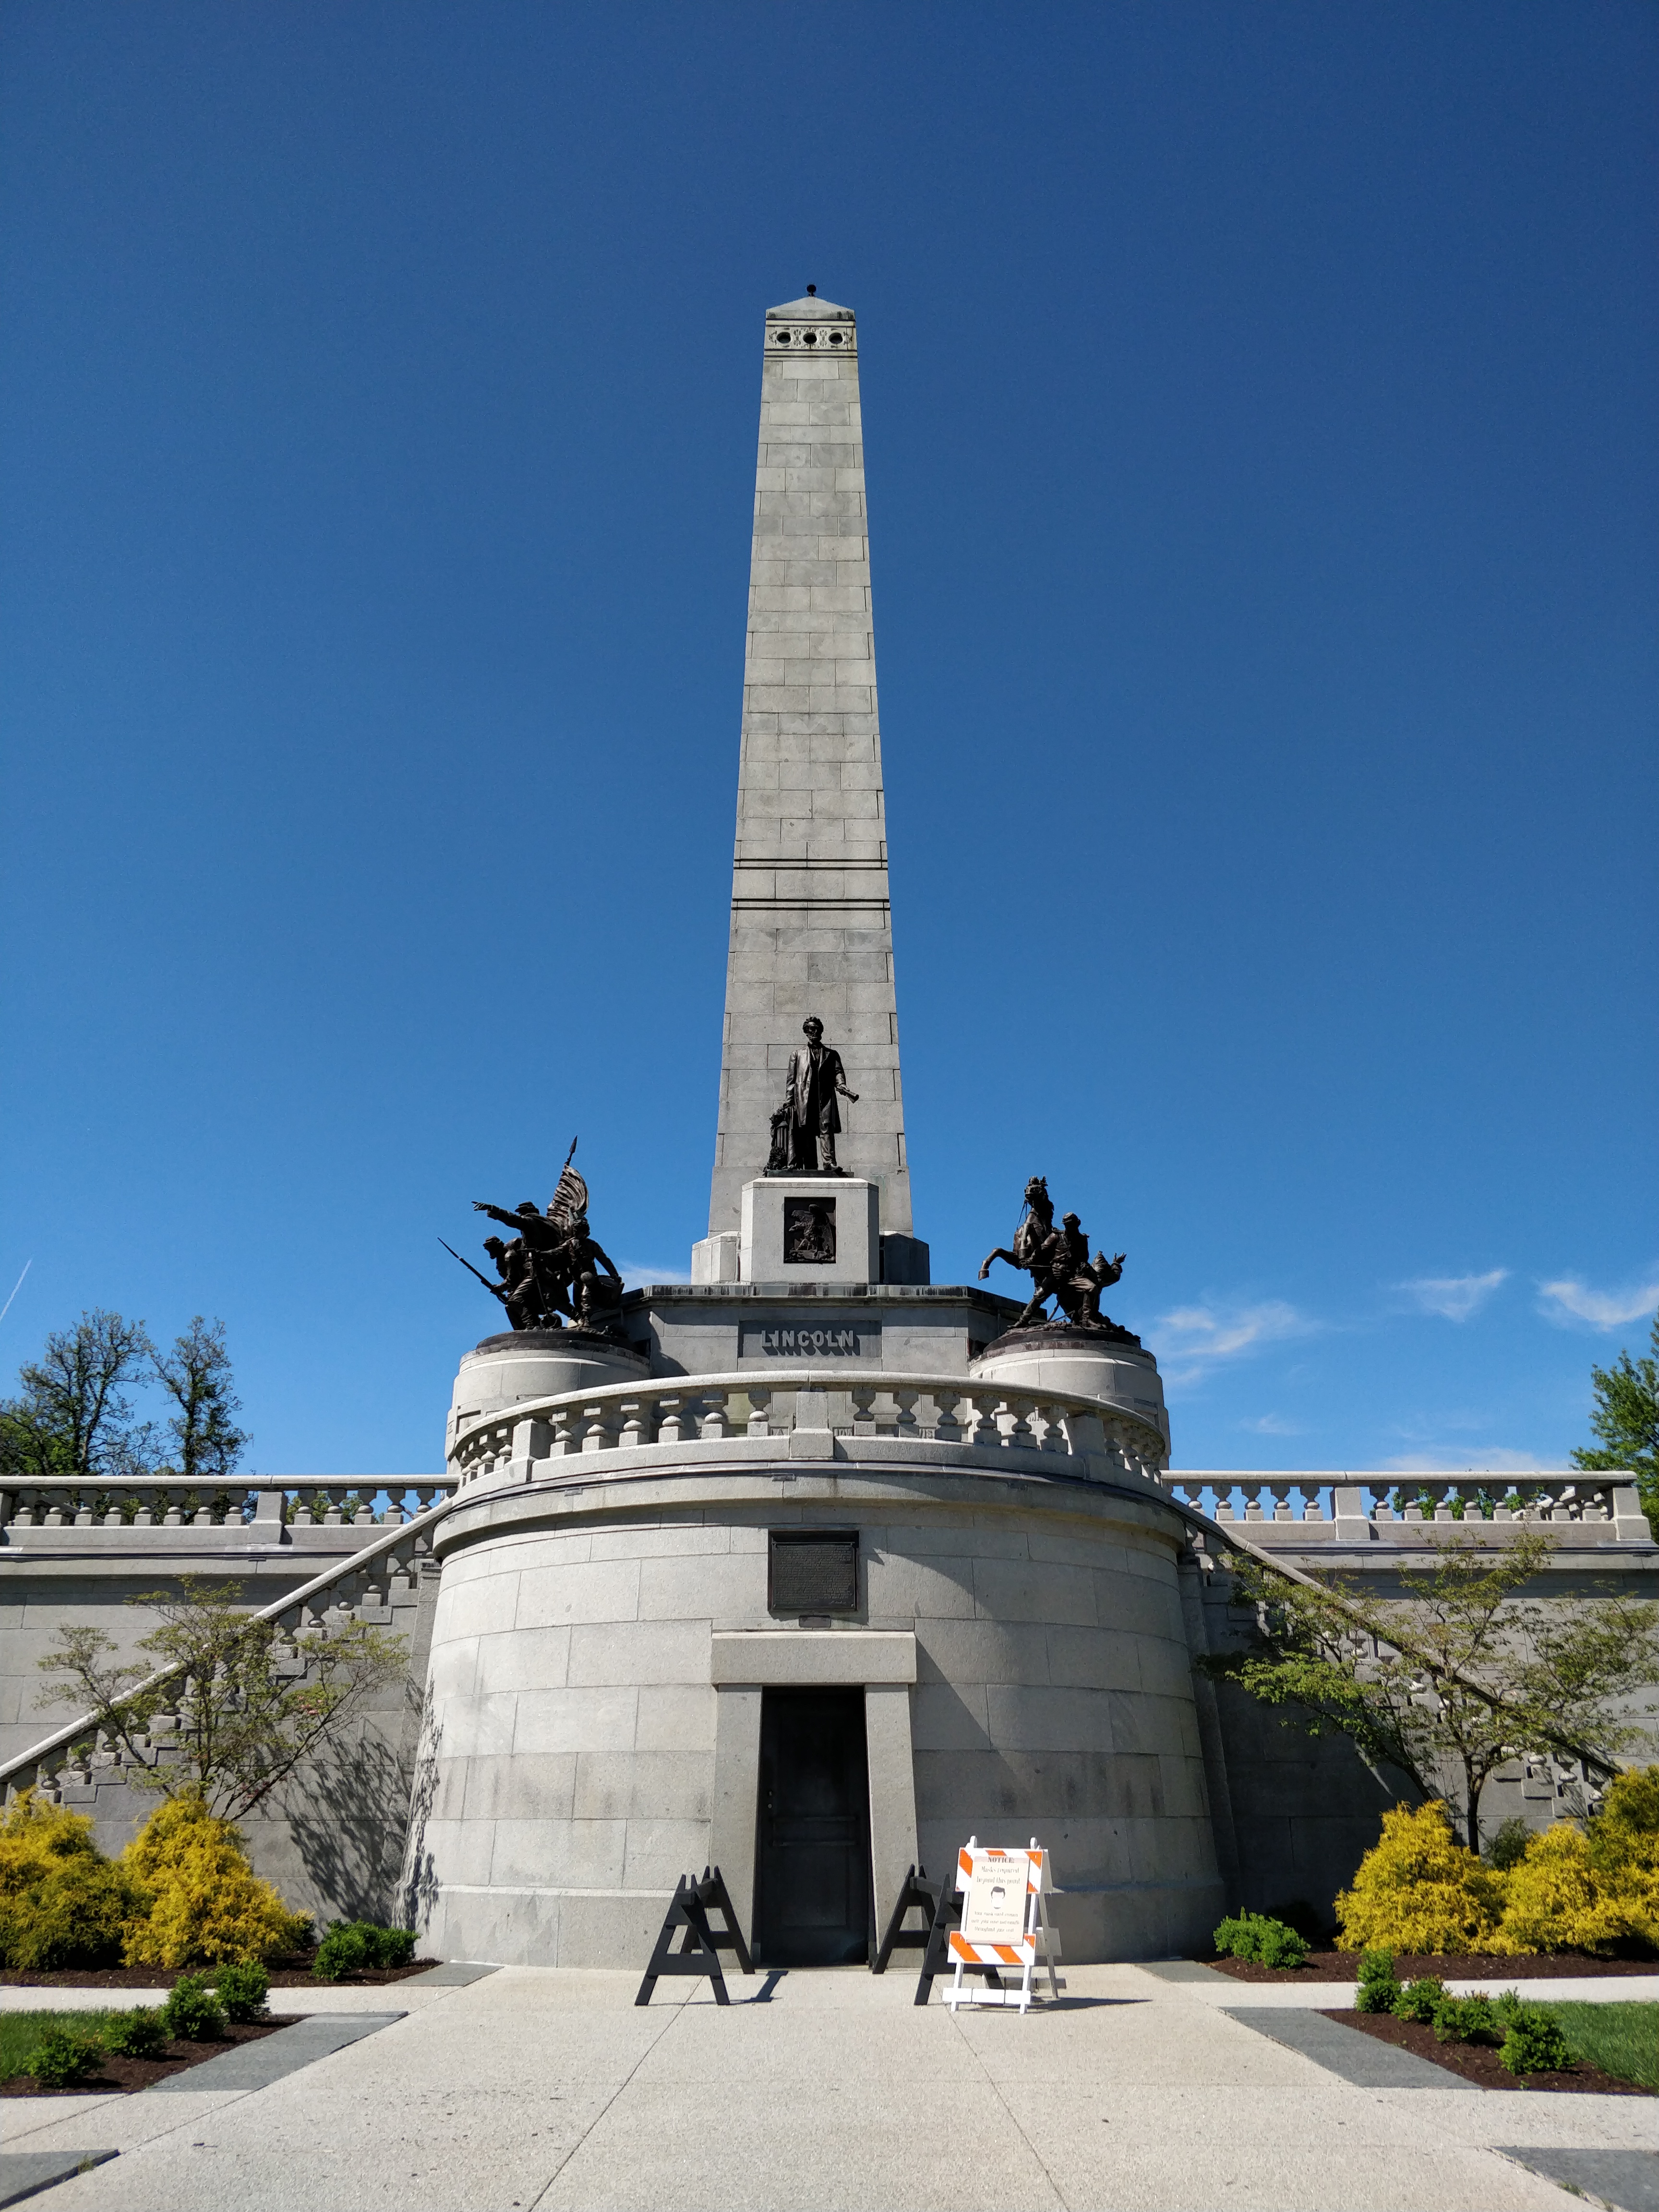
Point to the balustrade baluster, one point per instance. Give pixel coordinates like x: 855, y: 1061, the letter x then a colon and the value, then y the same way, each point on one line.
x: 758, y: 1402
x: 716, y: 1417
x: 986, y: 1433
x: 633, y: 1429
x: 1020, y: 1436
x: 864, y: 1410
x: 671, y: 1425
x: 85, y: 1518
x: 947, y: 1430
x: 904, y: 1416
x: 55, y: 1510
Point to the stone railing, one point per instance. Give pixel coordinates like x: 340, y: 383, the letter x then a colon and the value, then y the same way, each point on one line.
x: 939, y: 1420
x: 265, y: 1506
x: 1294, y: 1509
x: 379, y: 1580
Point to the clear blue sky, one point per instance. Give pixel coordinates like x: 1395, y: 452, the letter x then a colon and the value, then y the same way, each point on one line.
x: 1262, y: 450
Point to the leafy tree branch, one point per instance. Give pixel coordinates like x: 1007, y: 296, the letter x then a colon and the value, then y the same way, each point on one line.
x: 1456, y: 1677
x: 251, y: 1704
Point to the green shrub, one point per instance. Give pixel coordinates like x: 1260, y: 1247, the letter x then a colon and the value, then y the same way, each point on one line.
x: 351, y: 1944
x: 140, y: 2034
x: 1535, y: 2042
x: 1379, y: 1989
x: 241, y: 1991
x: 192, y: 2011
x: 397, y: 1946
x: 1247, y: 1935
x: 1468, y: 2020
x: 1509, y: 1846
x: 1420, y: 2000
x: 342, y: 1951
x: 62, y: 2059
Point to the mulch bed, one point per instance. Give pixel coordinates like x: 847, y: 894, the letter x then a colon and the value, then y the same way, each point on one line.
x: 163, y: 1978
x: 1500, y: 1973
x: 140, y: 2073
x: 1478, y: 2061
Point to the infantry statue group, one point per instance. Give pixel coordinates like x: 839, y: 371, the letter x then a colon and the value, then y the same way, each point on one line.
x: 552, y: 1273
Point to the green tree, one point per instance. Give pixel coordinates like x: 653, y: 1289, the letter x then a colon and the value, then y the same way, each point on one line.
x: 72, y: 1419
x: 1448, y: 1681
x: 251, y: 1703
x: 1626, y: 1416
x: 196, y: 1374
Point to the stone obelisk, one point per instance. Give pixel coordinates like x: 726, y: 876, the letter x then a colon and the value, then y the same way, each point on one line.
x: 811, y: 932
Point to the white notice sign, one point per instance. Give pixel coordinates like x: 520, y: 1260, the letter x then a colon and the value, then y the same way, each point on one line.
x: 994, y: 1910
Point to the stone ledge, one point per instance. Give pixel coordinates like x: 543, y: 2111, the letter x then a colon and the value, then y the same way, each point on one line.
x: 777, y: 1658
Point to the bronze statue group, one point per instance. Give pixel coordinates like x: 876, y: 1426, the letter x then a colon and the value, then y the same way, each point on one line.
x: 553, y: 1273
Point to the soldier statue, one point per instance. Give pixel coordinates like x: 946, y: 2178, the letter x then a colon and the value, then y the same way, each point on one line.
x: 1058, y: 1262
x: 554, y: 1273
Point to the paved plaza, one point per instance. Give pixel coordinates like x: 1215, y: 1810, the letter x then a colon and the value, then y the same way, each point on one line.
x: 542, y: 2087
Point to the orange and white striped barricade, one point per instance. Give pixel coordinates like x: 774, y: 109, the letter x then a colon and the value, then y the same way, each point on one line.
x: 1004, y: 1925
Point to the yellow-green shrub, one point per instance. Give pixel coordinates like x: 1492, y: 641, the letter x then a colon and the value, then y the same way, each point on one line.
x: 208, y: 1907
x: 1554, y: 1901
x: 1623, y: 1850
x: 1418, y: 1889
x: 62, y: 1902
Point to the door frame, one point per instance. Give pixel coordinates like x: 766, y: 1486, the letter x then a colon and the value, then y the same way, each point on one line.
x: 882, y: 1662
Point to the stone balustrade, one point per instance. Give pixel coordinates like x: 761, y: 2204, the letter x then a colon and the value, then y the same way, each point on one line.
x: 1308, y: 1508
x: 943, y: 1420
x: 264, y: 1505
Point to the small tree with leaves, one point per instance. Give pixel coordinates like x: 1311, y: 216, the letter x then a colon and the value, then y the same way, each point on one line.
x: 1626, y: 1416
x: 196, y: 1376
x: 1451, y: 1680
x: 71, y: 1420
x: 251, y: 1704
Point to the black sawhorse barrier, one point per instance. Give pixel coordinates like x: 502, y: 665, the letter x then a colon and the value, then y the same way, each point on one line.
x: 940, y: 1911
x: 701, y: 1945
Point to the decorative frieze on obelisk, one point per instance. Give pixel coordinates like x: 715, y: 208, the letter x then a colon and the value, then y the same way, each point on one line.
x: 812, y: 933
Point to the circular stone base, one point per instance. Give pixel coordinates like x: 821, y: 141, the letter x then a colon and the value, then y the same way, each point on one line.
x: 1110, y: 1364
x: 569, y: 1342
x: 1050, y: 1336
x: 540, y: 1363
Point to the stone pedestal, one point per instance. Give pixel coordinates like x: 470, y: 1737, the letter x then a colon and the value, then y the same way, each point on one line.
x: 538, y: 1362
x: 809, y: 1229
x: 1111, y: 1365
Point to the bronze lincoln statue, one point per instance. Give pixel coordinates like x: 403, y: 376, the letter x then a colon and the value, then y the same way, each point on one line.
x: 805, y: 1127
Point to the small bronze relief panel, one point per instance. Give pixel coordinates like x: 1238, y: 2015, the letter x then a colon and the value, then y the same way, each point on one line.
x: 809, y: 1233
x: 813, y: 1570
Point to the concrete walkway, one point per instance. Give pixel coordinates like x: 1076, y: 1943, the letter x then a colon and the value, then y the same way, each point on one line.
x: 550, y: 2089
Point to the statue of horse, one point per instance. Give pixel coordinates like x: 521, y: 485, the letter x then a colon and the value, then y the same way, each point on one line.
x: 1058, y: 1262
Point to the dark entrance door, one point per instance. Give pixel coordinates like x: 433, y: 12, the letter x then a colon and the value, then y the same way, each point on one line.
x: 813, y: 1902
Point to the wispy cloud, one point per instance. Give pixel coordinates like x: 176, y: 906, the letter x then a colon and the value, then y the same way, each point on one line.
x: 1454, y: 1298
x: 1497, y: 1459
x: 1569, y: 1300
x: 1273, y: 1424
x: 1193, y: 1339
x: 639, y: 1275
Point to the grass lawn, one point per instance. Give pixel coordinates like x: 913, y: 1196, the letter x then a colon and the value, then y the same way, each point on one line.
x: 20, y: 2031
x: 1620, y: 2038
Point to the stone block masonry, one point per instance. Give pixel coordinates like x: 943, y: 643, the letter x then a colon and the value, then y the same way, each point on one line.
x: 812, y: 933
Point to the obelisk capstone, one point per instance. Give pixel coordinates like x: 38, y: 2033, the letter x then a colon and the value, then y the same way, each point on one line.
x: 811, y: 931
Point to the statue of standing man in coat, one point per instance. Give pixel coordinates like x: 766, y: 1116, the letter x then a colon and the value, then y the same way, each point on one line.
x: 813, y: 1118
